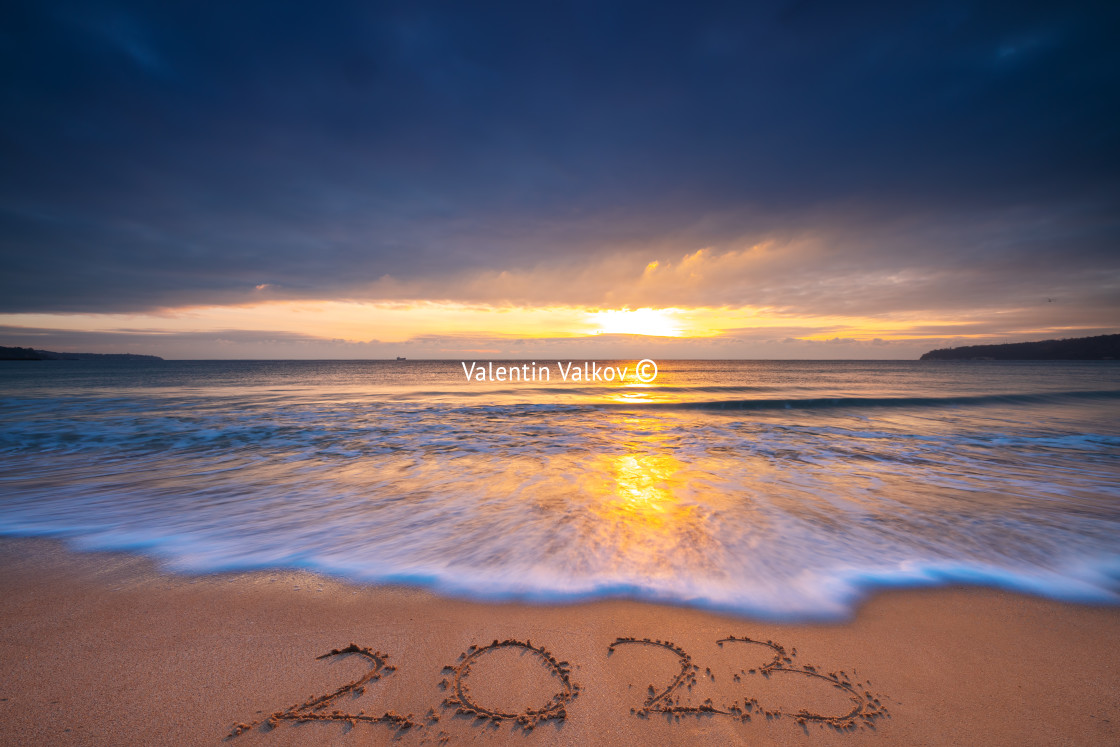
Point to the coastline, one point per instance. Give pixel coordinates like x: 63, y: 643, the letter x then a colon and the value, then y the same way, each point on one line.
x: 103, y: 648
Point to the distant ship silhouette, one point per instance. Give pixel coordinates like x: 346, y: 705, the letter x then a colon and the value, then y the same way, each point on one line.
x: 401, y: 358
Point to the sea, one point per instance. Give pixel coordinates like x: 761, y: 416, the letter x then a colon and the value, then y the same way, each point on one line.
x: 782, y: 490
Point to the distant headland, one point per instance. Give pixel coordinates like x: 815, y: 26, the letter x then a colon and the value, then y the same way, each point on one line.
x: 30, y: 354
x: 1101, y: 347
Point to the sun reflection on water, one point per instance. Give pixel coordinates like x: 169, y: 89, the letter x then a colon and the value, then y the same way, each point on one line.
x: 644, y: 488
x: 642, y: 505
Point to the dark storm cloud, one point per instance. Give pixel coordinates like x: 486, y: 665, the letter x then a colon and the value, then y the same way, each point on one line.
x: 159, y: 154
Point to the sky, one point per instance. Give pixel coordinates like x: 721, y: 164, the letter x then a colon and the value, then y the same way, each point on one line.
x: 584, y: 179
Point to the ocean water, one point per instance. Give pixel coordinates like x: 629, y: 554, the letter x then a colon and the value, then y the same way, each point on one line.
x: 784, y: 490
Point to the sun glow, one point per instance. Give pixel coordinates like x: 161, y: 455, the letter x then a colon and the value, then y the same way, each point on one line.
x: 654, y: 322
x: 444, y: 329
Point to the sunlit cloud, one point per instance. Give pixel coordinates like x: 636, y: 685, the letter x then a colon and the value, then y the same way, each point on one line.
x: 803, y: 294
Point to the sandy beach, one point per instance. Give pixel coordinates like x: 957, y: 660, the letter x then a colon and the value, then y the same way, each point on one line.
x: 104, y: 649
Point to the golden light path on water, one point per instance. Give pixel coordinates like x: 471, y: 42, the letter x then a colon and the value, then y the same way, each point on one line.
x: 641, y: 499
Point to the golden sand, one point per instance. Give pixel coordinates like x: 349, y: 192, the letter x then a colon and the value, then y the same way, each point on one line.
x: 103, y: 649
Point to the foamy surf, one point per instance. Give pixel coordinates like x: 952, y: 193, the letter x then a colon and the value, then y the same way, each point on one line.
x: 879, y: 475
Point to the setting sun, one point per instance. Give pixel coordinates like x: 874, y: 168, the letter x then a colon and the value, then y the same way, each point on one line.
x: 655, y: 322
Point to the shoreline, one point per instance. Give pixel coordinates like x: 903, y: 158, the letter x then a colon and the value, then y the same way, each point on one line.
x: 104, y: 648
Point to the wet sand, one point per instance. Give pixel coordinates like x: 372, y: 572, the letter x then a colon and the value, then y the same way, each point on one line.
x: 102, y: 648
